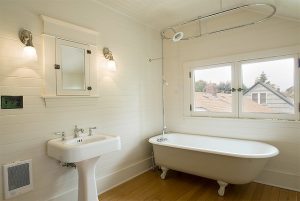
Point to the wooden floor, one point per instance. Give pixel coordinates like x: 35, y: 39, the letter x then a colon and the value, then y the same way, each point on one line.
x: 184, y: 187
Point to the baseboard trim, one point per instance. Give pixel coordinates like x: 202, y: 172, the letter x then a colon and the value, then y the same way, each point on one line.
x: 123, y: 175
x: 269, y: 177
x: 279, y: 179
x: 110, y: 181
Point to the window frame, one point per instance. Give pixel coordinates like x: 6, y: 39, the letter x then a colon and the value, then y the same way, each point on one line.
x: 236, y: 62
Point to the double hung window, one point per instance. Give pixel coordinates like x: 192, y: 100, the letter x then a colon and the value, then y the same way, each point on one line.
x: 254, y: 88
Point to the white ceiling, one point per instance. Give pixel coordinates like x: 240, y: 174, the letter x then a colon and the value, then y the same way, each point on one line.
x: 162, y: 13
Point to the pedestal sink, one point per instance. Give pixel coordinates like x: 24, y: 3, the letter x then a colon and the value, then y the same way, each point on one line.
x: 84, y: 151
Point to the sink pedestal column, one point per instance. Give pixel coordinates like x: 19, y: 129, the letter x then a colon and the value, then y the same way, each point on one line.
x: 87, y: 188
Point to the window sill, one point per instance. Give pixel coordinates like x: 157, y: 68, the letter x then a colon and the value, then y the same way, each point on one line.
x: 287, y: 123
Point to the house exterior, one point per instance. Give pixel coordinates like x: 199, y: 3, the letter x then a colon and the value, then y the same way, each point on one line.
x: 265, y: 95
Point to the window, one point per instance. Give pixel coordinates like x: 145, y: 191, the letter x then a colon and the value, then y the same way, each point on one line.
x: 259, y: 98
x: 262, y: 88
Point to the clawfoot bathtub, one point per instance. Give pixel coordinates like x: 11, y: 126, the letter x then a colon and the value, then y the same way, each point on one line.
x: 229, y: 161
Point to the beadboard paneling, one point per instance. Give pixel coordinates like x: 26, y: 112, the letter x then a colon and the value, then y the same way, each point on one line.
x: 128, y: 104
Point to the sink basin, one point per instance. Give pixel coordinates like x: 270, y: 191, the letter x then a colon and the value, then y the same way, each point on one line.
x: 73, y: 150
x: 84, y: 151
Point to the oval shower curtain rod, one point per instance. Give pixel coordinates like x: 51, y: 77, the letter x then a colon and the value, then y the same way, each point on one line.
x: 199, y: 18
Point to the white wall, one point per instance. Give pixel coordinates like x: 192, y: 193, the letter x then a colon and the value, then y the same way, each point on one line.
x: 129, y: 103
x: 284, y: 170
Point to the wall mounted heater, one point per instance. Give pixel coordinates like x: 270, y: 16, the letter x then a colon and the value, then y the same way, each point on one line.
x: 17, y: 178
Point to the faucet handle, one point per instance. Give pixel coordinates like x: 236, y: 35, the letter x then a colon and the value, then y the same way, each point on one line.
x: 58, y: 133
x: 90, y: 130
x: 62, y: 134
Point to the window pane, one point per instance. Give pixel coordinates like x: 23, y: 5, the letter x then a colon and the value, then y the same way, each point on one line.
x: 263, y: 98
x: 268, y: 86
x: 255, y: 97
x: 212, y: 92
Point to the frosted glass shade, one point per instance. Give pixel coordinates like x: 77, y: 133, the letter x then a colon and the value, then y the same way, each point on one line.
x: 29, y: 52
x: 111, y: 65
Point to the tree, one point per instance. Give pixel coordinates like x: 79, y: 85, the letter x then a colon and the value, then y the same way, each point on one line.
x: 262, y: 78
x: 200, y: 85
x: 224, y: 87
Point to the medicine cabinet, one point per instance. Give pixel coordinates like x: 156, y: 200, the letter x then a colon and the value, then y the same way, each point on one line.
x: 69, y: 60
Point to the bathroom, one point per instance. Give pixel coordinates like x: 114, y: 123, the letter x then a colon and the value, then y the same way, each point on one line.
x: 145, y: 93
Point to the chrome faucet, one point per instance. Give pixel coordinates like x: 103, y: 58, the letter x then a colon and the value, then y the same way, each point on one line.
x: 90, y: 130
x: 77, y: 130
x: 162, y: 137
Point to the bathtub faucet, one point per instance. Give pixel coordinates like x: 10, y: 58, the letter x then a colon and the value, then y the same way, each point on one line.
x: 164, y: 131
x: 162, y: 137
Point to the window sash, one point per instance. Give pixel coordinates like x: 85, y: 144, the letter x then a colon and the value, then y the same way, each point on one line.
x: 284, y: 116
x: 209, y: 113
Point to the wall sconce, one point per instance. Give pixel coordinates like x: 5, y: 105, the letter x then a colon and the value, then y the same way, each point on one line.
x: 26, y: 38
x: 111, y: 64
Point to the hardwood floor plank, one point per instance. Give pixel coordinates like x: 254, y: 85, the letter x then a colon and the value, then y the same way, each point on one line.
x: 184, y: 187
x: 204, y: 192
x: 287, y: 195
x: 259, y: 188
x: 188, y: 194
x: 234, y: 192
x: 247, y: 193
x: 267, y: 193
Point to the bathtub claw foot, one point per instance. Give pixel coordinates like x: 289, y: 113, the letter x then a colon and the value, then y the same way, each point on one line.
x: 221, y: 190
x: 164, y: 172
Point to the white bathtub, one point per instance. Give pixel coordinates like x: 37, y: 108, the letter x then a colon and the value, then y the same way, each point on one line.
x: 223, y: 159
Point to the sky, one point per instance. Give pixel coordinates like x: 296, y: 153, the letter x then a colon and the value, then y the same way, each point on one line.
x: 279, y: 72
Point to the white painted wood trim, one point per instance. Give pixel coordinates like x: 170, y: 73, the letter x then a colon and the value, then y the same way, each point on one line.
x: 69, y: 31
x: 94, y: 71
x: 49, y: 74
x: 125, y: 174
x: 67, y: 97
x: 279, y: 179
x: 276, y: 52
x: 66, y: 24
